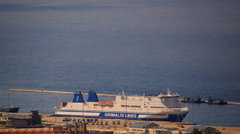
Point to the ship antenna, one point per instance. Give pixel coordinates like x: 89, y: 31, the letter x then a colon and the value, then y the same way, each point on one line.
x: 123, y: 92
x: 168, y: 91
x: 8, y: 99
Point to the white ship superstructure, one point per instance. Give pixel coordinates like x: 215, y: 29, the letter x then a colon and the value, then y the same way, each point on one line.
x: 162, y: 107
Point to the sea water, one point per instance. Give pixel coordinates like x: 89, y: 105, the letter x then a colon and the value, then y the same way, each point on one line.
x: 139, y: 46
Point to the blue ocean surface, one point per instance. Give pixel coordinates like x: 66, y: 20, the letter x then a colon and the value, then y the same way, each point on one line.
x: 140, y: 46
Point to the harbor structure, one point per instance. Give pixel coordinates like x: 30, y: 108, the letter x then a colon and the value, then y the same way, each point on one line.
x: 72, y: 125
x: 186, y: 99
x: 114, y: 125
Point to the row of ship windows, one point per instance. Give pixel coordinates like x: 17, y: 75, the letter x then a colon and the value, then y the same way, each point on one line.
x: 131, y: 106
x: 135, y: 106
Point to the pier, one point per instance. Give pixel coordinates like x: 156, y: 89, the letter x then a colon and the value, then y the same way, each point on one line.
x: 55, y: 92
x: 191, y: 100
x: 217, y: 102
x: 233, y: 103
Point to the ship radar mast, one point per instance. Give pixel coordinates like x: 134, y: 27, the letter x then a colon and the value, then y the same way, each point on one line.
x: 168, y: 94
x: 123, y: 94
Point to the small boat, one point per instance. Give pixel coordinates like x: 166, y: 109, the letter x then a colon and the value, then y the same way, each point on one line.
x: 9, y: 109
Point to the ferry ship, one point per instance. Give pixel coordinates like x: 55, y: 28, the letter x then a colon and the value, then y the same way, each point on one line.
x: 162, y: 107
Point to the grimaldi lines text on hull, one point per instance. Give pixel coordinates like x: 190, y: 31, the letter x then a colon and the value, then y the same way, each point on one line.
x: 162, y: 107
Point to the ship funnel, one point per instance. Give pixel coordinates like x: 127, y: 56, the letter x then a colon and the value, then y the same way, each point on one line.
x: 78, y: 97
x: 92, y: 97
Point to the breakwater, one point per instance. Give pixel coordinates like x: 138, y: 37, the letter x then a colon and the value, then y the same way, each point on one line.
x: 209, y: 101
x: 55, y: 92
x: 186, y: 100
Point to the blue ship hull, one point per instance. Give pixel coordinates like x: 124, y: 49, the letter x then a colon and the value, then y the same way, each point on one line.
x: 128, y: 116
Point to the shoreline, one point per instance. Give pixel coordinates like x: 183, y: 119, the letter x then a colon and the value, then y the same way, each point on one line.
x: 119, y: 125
